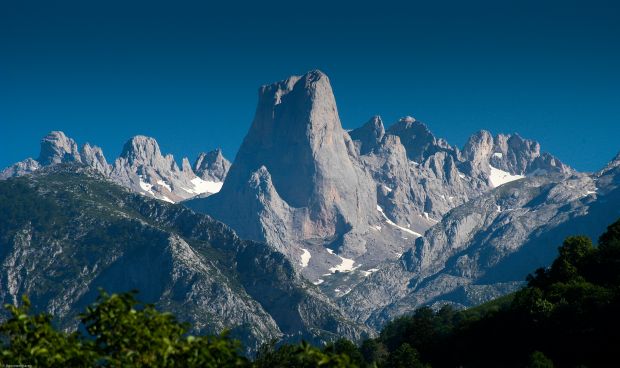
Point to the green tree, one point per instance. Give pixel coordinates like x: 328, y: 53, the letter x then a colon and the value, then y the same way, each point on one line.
x: 123, y: 333
x: 373, y: 351
x: 539, y: 360
x: 129, y: 333
x: 572, y: 258
x: 32, y: 340
x: 404, y: 357
x: 302, y: 355
x: 345, y: 347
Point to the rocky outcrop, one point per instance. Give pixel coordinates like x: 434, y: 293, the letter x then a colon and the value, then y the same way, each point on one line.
x: 509, y: 153
x: 25, y: 167
x: 212, y: 166
x: 368, y: 136
x: 418, y: 140
x: 92, y: 156
x: 57, y: 148
x: 142, y: 167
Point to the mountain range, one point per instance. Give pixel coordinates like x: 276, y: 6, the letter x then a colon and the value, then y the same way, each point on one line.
x: 140, y: 167
x: 360, y: 226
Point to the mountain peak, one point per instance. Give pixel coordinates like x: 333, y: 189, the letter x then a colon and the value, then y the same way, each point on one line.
x: 212, y: 166
x: 297, y: 136
x: 418, y: 140
x: 408, y: 120
x: 141, y: 148
x: 614, y: 163
x: 369, y: 135
x: 56, y: 147
x: 510, y: 153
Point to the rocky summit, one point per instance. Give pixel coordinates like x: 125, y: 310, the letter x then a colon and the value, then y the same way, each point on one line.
x: 297, y: 183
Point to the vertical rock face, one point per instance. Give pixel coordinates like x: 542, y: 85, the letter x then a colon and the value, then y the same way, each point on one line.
x: 57, y: 148
x: 93, y: 156
x: 296, y: 174
x: 477, y: 152
x: 212, y: 166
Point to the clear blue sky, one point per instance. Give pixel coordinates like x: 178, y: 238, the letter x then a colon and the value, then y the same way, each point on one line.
x: 187, y: 73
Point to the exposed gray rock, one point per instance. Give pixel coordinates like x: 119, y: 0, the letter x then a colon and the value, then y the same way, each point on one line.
x: 212, y: 166
x: 92, y: 156
x: 488, y: 245
x: 418, y: 140
x: 416, y: 194
x: 368, y: 135
x: 28, y: 166
x: 509, y: 153
x: 297, y: 183
x: 141, y: 167
x: 57, y: 148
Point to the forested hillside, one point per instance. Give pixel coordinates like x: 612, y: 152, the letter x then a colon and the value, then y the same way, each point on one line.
x: 566, y: 316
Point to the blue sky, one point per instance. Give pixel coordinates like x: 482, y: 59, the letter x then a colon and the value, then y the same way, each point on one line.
x: 187, y: 73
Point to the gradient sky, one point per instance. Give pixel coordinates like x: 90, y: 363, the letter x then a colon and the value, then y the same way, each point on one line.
x: 187, y: 73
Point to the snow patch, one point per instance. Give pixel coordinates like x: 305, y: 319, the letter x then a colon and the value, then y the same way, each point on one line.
x: 388, y: 189
x: 589, y: 192
x: 498, y: 154
x: 499, y: 177
x: 345, y: 266
x: 204, y: 186
x: 164, y: 184
x: 340, y: 293
x: 367, y: 273
x: 428, y: 217
x: 164, y: 198
x: 146, y: 187
x: 390, y: 222
x: 305, y: 258
x: 318, y: 282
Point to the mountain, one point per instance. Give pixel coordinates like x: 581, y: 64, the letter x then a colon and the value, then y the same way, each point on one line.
x: 141, y: 167
x: 421, y: 177
x: 381, y: 219
x: 485, y: 247
x: 67, y: 230
x: 297, y: 183
x: 332, y: 200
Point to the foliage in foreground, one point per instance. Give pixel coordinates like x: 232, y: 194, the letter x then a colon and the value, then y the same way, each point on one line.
x: 566, y: 316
